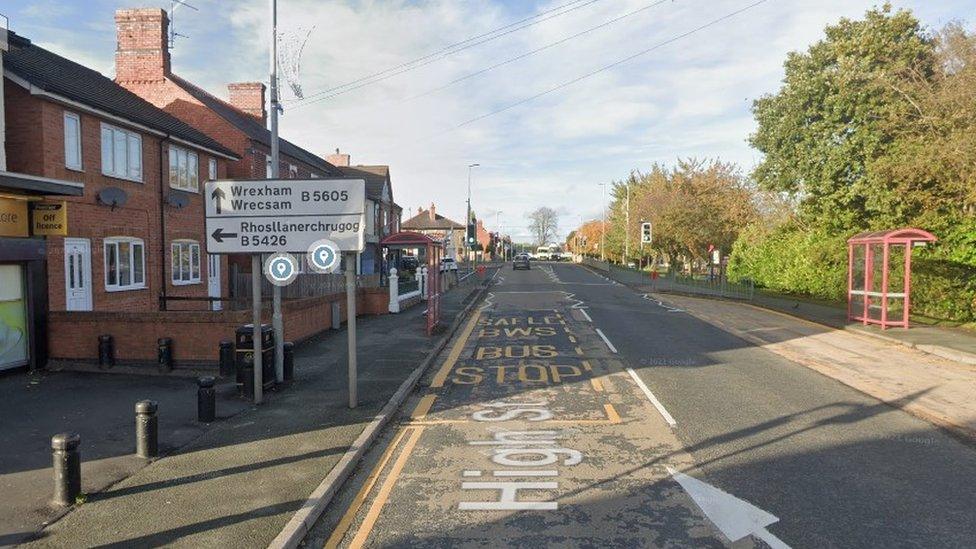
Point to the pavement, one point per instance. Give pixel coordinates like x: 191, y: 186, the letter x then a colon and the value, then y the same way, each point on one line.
x: 238, y: 482
x: 573, y: 411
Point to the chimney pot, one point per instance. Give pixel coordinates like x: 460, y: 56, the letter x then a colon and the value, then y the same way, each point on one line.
x: 339, y: 159
x: 249, y: 98
x: 142, y: 51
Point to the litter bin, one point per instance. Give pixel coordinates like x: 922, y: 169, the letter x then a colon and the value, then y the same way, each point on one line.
x: 244, y: 357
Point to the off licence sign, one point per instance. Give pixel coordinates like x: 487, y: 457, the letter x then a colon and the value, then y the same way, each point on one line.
x: 286, y: 215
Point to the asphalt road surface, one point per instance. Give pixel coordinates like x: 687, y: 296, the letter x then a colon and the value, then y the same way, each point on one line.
x: 573, y: 411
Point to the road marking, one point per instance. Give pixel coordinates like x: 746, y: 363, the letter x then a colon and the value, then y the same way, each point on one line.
x: 470, y: 473
x: 587, y: 366
x: 612, y: 414
x: 340, y: 530
x: 607, y: 341
x: 448, y: 365
x: 571, y: 339
x: 545, y: 473
x: 734, y: 517
x: 384, y: 494
x: 579, y: 351
x: 423, y: 407
x: 650, y: 396
x: 597, y: 384
x: 588, y: 319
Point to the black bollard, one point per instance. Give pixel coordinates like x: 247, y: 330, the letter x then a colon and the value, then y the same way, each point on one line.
x: 289, y: 365
x: 206, y: 399
x: 106, y: 351
x: 147, y: 429
x: 165, y: 346
x: 226, y: 358
x: 67, y: 468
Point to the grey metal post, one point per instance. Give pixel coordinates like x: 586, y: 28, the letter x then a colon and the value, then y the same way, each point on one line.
x: 147, y: 429
x: 67, y: 468
x: 206, y: 399
x: 277, y: 321
x: 351, y: 324
x: 256, y: 297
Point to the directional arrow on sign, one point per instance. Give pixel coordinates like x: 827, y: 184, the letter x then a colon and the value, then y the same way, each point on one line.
x: 734, y: 517
x: 218, y: 196
x: 219, y: 235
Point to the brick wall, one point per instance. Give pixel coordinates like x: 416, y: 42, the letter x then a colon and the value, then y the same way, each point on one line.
x: 196, y: 335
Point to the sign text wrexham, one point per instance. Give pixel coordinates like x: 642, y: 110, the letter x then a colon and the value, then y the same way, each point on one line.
x: 285, y: 215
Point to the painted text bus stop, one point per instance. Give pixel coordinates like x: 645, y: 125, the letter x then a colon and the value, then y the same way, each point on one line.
x: 879, y: 280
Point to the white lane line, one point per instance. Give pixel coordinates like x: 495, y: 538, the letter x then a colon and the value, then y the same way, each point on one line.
x: 588, y: 319
x: 650, y: 396
x: 607, y: 341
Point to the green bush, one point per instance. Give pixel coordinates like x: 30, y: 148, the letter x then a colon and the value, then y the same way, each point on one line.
x: 786, y: 259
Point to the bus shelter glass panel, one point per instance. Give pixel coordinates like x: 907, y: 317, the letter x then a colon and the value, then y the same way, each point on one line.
x: 896, y: 281
x: 858, y: 269
x: 875, y: 280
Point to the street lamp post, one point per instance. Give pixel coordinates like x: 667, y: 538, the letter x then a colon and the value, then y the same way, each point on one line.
x: 467, y: 222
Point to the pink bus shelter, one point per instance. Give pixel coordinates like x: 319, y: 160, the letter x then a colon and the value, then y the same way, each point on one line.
x: 879, y: 281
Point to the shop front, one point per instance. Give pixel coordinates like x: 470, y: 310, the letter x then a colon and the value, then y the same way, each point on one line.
x: 25, y: 221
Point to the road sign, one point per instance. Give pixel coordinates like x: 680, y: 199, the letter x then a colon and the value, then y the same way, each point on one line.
x: 285, y: 215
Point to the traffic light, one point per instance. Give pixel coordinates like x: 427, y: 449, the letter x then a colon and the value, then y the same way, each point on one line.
x: 472, y: 238
x: 645, y: 233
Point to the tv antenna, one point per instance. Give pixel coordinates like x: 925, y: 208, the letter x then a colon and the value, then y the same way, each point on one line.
x: 291, y: 46
x: 173, y: 4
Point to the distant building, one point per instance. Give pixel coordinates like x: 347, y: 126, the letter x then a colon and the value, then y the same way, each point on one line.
x: 435, y: 225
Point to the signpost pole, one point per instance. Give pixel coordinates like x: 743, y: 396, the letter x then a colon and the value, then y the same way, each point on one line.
x: 276, y: 319
x: 256, y: 295
x: 351, y: 323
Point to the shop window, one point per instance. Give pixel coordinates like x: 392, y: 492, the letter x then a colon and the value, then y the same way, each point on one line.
x: 125, y: 264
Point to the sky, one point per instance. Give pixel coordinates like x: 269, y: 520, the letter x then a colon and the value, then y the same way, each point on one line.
x: 689, y: 96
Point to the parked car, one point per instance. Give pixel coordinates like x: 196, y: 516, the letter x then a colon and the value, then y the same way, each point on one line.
x: 448, y: 264
x: 566, y: 256
x: 409, y: 263
x: 521, y: 261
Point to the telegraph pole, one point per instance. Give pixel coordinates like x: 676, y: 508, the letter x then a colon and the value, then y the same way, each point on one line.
x: 627, y: 227
x: 277, y: 322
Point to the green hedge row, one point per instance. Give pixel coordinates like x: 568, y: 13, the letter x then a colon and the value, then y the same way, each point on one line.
x: 812, y: 262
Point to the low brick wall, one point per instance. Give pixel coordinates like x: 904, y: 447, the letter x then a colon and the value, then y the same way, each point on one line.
x: 196, y: 335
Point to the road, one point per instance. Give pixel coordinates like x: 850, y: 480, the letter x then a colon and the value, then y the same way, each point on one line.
x: 573, y: 411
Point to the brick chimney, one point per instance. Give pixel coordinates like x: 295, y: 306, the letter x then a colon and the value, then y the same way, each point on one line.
x: 338, y: 159
x: 249, y: 98
x: 432, y: 212
x: 142, y: 54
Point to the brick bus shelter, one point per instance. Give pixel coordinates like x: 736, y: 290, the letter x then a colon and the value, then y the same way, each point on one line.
x: 879, y: 275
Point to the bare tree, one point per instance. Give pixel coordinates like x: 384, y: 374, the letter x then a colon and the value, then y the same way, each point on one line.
x: 544, y: 223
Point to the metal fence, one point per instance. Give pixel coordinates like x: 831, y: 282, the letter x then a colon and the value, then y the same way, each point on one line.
x: 718, y: 286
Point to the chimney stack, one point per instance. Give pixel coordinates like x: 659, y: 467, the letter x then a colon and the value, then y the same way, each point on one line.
x: 338, y: 159
x: 142, y: 53
x: 432, y: 212
x: 249, y: 98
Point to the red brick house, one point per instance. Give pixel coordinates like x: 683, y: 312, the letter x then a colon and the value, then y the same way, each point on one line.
x: 135, y: 231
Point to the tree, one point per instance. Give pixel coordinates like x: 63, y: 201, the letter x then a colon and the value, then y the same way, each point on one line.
x: 821, y: 131
x: 544, y: 223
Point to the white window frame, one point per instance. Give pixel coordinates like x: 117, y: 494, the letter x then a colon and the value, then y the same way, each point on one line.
x: 177, y: 250
x: 109, y: 159
x: 115, y: 243
x: 67, y: 162
x: 186, y: 176
x: 212, y: 169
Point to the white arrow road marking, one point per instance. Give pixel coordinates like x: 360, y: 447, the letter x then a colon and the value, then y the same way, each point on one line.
x: 650, y: 396
x: 734, y: 517
x: 587, y: 315
x: 607, y: 341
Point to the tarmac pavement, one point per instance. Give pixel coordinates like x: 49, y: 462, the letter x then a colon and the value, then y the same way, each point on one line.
x: 718, y: 441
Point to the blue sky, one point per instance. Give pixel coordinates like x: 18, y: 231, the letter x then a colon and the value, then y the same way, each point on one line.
x: 689, y: 98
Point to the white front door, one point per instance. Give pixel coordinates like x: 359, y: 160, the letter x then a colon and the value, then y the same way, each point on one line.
x: 213, y: 280
x: 77, y: 274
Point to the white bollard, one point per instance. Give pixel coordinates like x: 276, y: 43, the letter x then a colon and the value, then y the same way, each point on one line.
x: 423, y: 283
x: 394, y: 291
